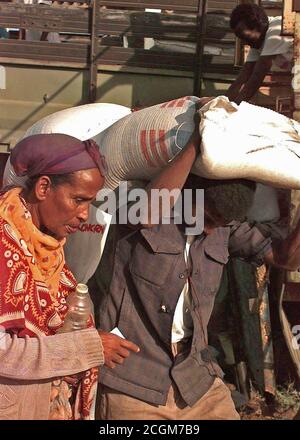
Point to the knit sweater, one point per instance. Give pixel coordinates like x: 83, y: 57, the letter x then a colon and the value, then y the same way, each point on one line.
x: 28, y: 366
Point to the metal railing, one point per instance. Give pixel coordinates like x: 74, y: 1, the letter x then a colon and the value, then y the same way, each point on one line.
x: 93, y: 34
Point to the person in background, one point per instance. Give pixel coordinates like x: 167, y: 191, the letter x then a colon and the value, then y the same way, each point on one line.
x: 269, y: 49
x: 43, y: 374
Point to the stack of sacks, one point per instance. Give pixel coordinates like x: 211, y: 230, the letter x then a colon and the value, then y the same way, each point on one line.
x: 140, y: 144
x: 242, y: 141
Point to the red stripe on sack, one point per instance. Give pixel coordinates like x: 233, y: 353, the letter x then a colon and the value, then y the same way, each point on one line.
x: 172, y: 104
x: 143, y: 140
x: 164, y: 105
x: 153, y: 145
x: 163, y: 145
x: 180, y: 102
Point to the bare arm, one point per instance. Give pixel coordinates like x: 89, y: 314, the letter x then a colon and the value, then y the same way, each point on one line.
x: 171, y: 178
x: 262, y: 67
x: 286, y: 253
x: 243, y: 77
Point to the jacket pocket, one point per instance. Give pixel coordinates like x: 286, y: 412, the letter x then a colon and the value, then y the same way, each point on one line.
x: 216, y: 257
x: 152, y: 267
x: 217, y: 252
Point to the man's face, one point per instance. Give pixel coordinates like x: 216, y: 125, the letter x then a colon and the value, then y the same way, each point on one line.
x: 253, y: 37
x: 212, y: 220
x: 66, y: 206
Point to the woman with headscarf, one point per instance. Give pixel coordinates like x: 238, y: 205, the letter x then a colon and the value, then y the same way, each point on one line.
x: 44, y: 374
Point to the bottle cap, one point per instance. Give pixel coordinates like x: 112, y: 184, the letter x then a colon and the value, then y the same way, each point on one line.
x: 82, y: 288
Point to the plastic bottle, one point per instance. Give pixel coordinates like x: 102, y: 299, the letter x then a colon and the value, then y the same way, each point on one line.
x: 80, y: 308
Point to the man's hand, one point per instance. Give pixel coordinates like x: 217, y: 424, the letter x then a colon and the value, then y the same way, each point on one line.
x: 244, y: 75
x: 262, y: 67
x: 116, y: 349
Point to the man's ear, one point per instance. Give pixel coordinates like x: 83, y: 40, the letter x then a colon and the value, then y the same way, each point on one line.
x: 42, y: 188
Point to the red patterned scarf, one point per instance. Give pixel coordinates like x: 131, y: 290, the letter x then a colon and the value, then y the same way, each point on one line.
x: 34, y: 286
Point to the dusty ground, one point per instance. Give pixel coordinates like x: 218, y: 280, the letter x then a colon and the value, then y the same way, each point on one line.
x: 285, y: 406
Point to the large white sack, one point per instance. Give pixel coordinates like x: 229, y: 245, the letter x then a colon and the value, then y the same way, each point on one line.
x: 82, y: 122
x: 248, y: 141
x: 83, y: 250
x: 142, y: 143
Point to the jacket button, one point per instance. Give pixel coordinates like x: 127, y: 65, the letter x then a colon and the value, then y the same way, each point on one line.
x: 181, y: 276
x: 164, y: 308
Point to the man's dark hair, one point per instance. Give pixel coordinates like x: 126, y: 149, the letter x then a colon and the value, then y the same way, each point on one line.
x: 230, y: 199
x: 252, y: 16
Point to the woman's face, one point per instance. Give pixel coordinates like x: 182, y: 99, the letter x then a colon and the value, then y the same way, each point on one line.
x: 64, y: 207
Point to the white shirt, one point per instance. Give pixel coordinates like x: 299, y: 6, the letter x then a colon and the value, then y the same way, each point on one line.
x: 182, y: 322
x: 275, y: 44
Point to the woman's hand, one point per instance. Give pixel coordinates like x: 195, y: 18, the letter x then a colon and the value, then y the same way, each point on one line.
x: 116, y: 349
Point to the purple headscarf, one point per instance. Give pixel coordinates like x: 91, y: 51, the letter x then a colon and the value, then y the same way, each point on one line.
x: 55, y: 154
